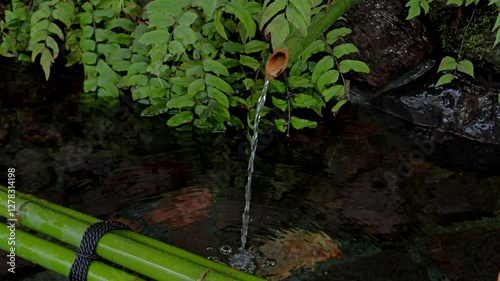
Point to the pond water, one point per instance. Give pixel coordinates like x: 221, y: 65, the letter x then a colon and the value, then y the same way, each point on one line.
x: 359, y: 198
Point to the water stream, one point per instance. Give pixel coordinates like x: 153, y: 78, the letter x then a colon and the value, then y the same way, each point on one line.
x: 243, y: 260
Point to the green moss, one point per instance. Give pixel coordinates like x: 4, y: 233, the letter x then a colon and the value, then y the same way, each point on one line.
x: 477, y: 37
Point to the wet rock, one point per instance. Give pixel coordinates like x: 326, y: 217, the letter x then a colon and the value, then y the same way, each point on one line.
x: 387, y: 42
x: 463, y: 109
x: 34, y: 169
x: 467, y: 255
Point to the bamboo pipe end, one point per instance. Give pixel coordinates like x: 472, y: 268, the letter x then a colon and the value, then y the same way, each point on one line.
x: 276, y: 63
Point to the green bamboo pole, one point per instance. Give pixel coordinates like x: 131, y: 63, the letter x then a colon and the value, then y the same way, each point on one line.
x: 118, y: 249
x: 55, y: 257
x: 169, y: 249
x: 295, y: 44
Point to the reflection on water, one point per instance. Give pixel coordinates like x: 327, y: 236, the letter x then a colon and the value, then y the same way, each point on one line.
x: 348, y: 201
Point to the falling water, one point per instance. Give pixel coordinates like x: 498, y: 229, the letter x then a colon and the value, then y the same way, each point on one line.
x: 253, y: 149
x: 244, y: 259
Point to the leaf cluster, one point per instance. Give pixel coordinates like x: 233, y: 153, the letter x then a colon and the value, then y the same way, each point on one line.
x: 196, y: 60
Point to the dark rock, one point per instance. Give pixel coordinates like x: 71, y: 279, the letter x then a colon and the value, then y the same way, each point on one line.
x: 387, y: 42
x: 34, y: 170
x: 469, y: 111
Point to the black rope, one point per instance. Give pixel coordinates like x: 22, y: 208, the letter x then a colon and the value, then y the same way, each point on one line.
x: 85, y: 254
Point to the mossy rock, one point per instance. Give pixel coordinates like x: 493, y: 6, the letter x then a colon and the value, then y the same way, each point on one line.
x: 471, y: 25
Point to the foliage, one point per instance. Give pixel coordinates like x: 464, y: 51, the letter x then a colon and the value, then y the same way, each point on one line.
x: 449, y: 63
x: 196, y: 60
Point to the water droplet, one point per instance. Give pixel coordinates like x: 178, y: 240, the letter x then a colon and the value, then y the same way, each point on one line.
x: 243, y: 261
x: 210, y: 248
x: 268, y: 263
x: 226, y: 250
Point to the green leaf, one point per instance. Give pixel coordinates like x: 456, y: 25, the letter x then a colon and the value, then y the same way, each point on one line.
x: 139, y: 79
x: 298, y: 68
x: 497, y: 38
x: 175, y: 47
x: 333, y: 92
x: 454, y: 2
x: 445, y: 79
x: 279, y: 103
x: 303, y: 100
x: 344, y: 49
x: 106, y: 72
x: 279, y: 30
x: 425, y: 6
x: 122, y: 23
x: 335, y: 34
x: 207, y: 6
x: 103, y: 14
x: 121, y: 38
x: 244, y: 16
x: 447, y: 63
x: 413, y: 12
x: 218, y: 96
x: 51, y: 43
x: 498, y: 98
x: 250, y: 62
x: 154, y: 37
x: 180, y: 118
x: 314, y: 47
x: 46, y: 61
x: 295, y: 82
x: 36, y: 50
x: 160, y: 21
x: 329, y: 77
x: 215, y: 67
x: 39, y: 15
x: 255, y: 46
x: 185, y: 35
x: 299, y: 123
x: 137, y: 67
x: 169, y: 7
x: 281, y: 125
x: 195, y: 87
x: 296, y: 19
x: 321, y: 67
x: 89, y: 58
x: 304, y: 8
x: 497, y: 23
x: 90, y: 84
x: 356, y: 65
x: 103, y: 35
x: 180, y: 102
x: 271, y: 10
x: 87, y: 45
x: 466, y: 66
x: 218, y: 24
x: 233, y: 47
x: 337, y: 106
x: 155, y: 110
x: 187, y: 18
x: 218, y: 83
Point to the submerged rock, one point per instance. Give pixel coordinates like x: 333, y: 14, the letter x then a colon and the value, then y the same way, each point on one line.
x: 294, y: 250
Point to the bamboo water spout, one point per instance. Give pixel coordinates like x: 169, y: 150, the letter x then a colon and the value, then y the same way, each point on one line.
x: 276, y: 63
